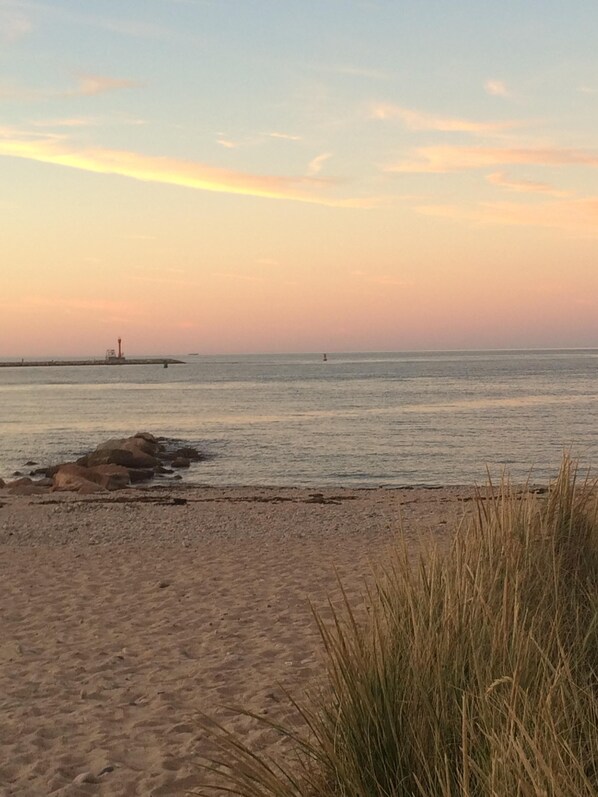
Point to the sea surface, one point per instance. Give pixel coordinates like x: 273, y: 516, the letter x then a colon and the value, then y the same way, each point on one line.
x: 386, y: 419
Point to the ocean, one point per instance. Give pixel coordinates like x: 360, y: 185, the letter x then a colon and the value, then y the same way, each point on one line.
x: 366, y: 420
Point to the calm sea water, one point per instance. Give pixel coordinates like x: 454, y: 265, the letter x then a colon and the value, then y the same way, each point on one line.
x: 356, y: 420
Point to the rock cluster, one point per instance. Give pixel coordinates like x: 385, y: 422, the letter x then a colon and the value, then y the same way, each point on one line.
x: 113, y: 465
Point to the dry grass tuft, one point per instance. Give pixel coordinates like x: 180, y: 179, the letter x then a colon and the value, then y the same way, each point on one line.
x: 476, y: 675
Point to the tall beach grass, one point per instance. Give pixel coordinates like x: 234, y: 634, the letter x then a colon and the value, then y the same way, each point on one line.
x: 475, y: 674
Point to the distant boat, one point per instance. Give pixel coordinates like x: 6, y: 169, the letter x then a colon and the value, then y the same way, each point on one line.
x: 325, y: 358
x: 193, y: 354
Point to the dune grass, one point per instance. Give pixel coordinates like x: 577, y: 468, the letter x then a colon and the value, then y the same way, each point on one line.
x: 476, y: 674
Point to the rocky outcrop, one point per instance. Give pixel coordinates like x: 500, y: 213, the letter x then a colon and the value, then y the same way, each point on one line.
x: 112, y: 465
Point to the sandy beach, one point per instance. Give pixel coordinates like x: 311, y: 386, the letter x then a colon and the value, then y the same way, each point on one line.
x: 125, y: 615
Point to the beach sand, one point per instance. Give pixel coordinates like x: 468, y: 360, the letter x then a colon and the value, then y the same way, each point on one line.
x: 124, y: 616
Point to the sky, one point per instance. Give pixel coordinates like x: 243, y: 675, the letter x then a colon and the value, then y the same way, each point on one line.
x: 238, y: 176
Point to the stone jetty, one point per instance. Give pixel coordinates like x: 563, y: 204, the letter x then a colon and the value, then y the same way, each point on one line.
x: 122, y: 361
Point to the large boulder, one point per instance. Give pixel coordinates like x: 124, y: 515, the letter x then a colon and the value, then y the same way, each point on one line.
x: 112, y: 477
x: 147, y: 436
x: 72, y: 477
x: 88, y: 488
x: 113, y: 442
x: 105, y: 476
x: 130, y: 457
x: 140, y: 442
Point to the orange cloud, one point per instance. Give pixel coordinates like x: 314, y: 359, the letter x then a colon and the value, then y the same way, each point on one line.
x: 524, y: 186
x: 450, y: 159
x: 417, y: 120
x: 171, y: 171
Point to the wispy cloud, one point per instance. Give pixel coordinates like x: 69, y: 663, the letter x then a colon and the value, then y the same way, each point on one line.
x: 88, y: 121
x: 418, y: 120
x: 74, y: 121
x: 251, y: 139
x: 286, y: 136
x: 127, y: 27
x: 172, y: 171
x: 91, y: 85
x: 579, y: 215
x: 13, y: 25
x: 87, y: 86
x: 357, y: 71
x: 315, y: 166
x: 227, y: 143
x: 525, y: 186
x: 439, y: 159
x: 497, y: 88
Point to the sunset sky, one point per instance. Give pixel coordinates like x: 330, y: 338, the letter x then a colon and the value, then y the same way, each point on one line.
x: 229, y: 176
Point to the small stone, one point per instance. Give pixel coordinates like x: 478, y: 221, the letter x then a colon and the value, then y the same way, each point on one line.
x: 85, y: 777
x: 108, y: 768
x: 164, y: 584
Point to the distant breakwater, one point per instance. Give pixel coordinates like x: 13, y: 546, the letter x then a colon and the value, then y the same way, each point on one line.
x: 44, y: 363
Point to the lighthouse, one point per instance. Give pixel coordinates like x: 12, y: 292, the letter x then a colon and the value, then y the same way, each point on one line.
x: 112, y: 357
